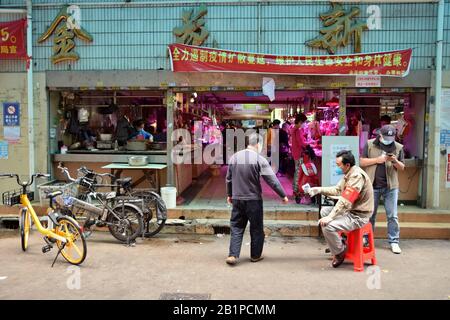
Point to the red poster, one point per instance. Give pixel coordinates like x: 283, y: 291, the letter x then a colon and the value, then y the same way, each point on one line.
x: 12, y: 39
x: 186, y: 58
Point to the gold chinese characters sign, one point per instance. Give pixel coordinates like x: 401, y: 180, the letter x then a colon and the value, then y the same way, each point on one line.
x: 339, y: 29
x: 64, y: 31
x: 186, y: 58
x: 193, y: 30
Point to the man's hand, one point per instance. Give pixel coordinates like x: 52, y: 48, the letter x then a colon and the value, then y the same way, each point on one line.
x: 285, y: 199
x: 324, y: 221
x: 381, y: 159
x: 313, y: 191
x: 229, y: 200
x: 392, y: 158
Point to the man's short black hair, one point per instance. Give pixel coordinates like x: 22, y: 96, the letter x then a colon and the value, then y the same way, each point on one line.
x: 347, y: 157
x: 300, y: 117
x: 276, y: 122
x: 386, y: 118
x: 138, y: 122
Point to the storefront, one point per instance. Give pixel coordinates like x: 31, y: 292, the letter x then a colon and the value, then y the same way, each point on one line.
x: 120, y: 71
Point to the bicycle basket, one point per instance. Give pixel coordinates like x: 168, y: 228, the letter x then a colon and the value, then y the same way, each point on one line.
x: 11, y: 198
x: 68, y: 189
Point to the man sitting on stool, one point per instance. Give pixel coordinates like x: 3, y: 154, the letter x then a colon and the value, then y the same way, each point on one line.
x: 353, y: 209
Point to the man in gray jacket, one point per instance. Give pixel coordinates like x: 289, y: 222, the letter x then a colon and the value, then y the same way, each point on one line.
x: 244, y: 193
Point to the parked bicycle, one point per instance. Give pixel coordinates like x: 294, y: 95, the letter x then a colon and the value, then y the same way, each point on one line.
x: 123, y: 217
x: 62, y: 230
x: 153, y: 208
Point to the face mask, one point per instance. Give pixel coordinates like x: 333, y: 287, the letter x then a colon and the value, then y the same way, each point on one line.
x: 339, y: 171
x: 386, y: 143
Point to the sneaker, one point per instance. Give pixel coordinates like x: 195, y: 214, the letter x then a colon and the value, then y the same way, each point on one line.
x: 365, y: 241
x: 231, y: 260
x: 256, y: 259
x: 396, y: 248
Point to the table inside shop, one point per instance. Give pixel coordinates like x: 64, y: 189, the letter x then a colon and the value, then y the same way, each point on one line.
x: 151, y: 172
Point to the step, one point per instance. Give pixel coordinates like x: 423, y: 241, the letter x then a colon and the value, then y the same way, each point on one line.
x: 419, y: 215
x: 304, y: 228
x: 281, y: 214
x: 405, y: 214
x: 282, y: 228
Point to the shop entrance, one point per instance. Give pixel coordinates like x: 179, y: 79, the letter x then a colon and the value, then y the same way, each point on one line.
x: 365, y: 111
x: 227, y: 112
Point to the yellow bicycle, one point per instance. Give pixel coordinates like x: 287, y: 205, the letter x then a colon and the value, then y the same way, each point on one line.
x: 62, y: 230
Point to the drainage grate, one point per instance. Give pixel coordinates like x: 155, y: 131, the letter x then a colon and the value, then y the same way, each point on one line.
x: 221, y: 230
x: 185, y: 296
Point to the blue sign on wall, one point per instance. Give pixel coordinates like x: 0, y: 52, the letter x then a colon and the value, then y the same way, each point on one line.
x: 11, y: 114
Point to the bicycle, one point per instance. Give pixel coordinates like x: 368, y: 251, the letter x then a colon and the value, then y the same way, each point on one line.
x: 123, y: 218
x: 62, y: 230
x: 154, y: 208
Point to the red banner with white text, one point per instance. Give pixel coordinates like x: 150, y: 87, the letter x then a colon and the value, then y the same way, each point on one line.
x: 186, y: 58
x: 12, y: 39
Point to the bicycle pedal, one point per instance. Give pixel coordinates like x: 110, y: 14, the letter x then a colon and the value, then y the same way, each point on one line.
x: 47, y: 248
x: 49, y: 241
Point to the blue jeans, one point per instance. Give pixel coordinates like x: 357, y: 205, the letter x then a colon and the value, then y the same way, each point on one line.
x: 390, y: 197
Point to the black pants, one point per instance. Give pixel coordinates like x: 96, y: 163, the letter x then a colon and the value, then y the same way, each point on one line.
x: 244, y: 211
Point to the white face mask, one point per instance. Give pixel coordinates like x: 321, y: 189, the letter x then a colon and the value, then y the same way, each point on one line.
x: 386, y: 143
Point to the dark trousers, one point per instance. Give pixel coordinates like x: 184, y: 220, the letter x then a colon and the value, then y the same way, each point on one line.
x: 242, y: 212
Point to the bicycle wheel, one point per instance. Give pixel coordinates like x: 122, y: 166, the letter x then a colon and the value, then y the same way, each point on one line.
x: 128, y: 226
x: 152, y: 225
x: 74, y: 250
x: 25, y: 226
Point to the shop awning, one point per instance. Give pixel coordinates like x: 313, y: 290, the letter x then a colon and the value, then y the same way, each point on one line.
x: 186, y: 58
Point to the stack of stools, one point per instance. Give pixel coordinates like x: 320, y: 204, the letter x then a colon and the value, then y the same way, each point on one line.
x: 356, y: 251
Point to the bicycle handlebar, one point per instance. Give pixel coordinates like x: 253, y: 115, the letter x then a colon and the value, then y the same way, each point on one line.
x: 66, y: 171
x: 86, y: 170
x: 25, y: 183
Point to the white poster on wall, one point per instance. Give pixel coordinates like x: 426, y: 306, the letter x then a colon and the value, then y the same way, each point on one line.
x: 331, y: 145
x: 445, y: 117
x: 335, y: 148
x: 11, y: 134
x: 445, y: 110
x: 4, y: 150
x: 447, y: 181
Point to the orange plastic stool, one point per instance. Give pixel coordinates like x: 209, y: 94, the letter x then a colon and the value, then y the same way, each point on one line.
x: 356, y: 251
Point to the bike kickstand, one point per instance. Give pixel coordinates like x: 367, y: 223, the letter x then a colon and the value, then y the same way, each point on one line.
x: 59, y: 251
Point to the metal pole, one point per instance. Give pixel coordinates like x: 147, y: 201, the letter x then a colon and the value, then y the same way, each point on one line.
x: 342, y: 111
x: 437, y: 105
x: 30, y: 89
x: 170, y: 101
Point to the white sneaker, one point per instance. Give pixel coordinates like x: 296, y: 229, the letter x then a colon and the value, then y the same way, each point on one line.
x: 396, y: 248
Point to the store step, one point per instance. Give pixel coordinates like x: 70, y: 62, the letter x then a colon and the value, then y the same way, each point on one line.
x: 303, y: 228
x: 410, y: 214
x: 269, y: 214
x: 280, y: 228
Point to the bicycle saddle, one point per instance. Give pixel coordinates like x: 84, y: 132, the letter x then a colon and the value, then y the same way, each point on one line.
x: 124, y: 181
x: 54, y: 194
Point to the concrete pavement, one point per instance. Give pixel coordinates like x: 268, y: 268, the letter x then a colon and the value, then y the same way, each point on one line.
x: 293, y: 268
